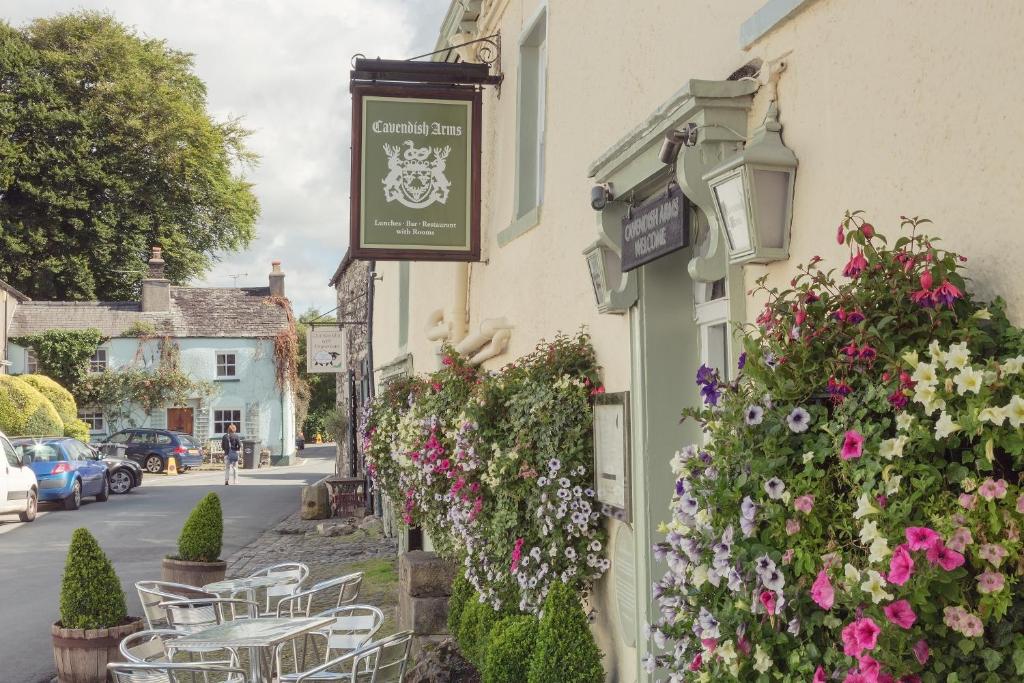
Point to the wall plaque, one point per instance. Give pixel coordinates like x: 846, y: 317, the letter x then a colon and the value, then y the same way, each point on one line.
x: 611, y: 455
x: 415, y: 173
x: 325, y: 349
x: 657, y: 228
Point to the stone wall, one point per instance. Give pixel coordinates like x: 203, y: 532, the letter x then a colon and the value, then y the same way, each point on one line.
x: 351, y: 282
x: 424, y: 586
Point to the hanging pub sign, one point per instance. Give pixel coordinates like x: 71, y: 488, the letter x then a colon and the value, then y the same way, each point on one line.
x: 655, y: 229
x: 415, y: 172
x: 325, y: 349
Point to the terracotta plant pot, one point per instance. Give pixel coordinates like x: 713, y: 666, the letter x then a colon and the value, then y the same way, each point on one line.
x: 82, y: 655
x: 192, y: 573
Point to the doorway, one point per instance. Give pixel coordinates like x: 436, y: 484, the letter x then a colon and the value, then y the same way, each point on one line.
x: 180, y: 420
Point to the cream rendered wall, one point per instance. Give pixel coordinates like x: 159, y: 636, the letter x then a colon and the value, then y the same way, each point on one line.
x: 906, y: 108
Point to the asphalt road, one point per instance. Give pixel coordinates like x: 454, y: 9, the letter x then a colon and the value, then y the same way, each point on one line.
x: 136, y: 531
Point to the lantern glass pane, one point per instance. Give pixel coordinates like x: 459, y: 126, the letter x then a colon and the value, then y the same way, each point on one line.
x: 596, y: 276
x: 771, y: 189
x: 733, y: 209
x: 612, y: 269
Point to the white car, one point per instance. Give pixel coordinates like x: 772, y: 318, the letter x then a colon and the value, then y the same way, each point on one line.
x: 19, y: 491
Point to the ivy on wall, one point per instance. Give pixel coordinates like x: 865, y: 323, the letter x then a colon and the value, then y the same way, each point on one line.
x: 64, y: 354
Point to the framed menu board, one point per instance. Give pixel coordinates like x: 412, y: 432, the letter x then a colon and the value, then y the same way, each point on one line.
x: 612, y: 462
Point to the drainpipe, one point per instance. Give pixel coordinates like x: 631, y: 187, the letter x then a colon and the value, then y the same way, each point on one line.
x: 373, y: 503
x: 284, y: 453
x: 489, y: 342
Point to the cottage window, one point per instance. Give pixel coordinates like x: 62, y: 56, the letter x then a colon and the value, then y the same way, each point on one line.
x: 98, y: 362
x: 223, y: 418
x: 226, y: 364
x: 31, y: 362
x: 530, y: 132
x: 93, y: 418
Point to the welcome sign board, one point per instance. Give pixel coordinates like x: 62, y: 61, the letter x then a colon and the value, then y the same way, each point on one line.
x: 325, y: 349
x: 415, y: 173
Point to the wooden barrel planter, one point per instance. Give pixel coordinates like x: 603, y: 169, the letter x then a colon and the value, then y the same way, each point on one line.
x: 192, y: 573
x: 81, y: 655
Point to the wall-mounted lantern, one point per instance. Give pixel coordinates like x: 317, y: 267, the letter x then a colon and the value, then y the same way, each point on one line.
x: 753, y: 195
x: 605, y: 266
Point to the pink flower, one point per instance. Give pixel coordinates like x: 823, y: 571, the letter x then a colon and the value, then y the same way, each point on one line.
x: 901, y: 566
x: 839, y: 234
x: 946, y: 294
x: 853, y: 445
x: 990, y: 490
x: 710, y: 644
x: 792, y: 526
x: 822, y: 593
x: 787, y: 557
x: 900, y: 613
x: 938, y: 553
x: 819, y: 676
x: 851, y: 646
x: 804, y: 504
x: 921, y: 651
x: 972, y: 626
x: 920, y: 537
x: 696, y: 662
x: 856, y: 265
x: 960, y: 539
x: 990, y: 582
x: 967, y: 501
x: 767, y: 599
x: 517, y: 553
x: 927, y: 280
x: 954, y: 617
x: 867, y: 633
x: 992, y: 552
x: 1020, y: 504
x: 743, y: 645
x: 869, y: 668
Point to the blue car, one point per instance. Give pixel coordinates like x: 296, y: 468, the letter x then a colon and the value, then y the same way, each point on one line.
x: 65, y: 469
x: 152, y: 447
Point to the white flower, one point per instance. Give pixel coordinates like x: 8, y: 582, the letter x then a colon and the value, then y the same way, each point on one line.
x: 762, y: 662
x: 879, y: 550
x: 774, y: 580
x: 734, y: 580
x: 994, y: 415
x: 764, y: 565
x: 875, y: 585
x: 851, y: 574
x: 864, y: 507
x: 808, y: 456
x: 774, y: 488
x: 699, y: 575
x: 1015, y: 411
x: 890, y: 448
x: 934, y: 350
x: 650, y: 664
x: 798, y: 420
x: 1012, y: 366
x: 868, y: 532
x: 945, y: 426
x: 727, y: 651
x: 925, y: 375
x: 753, y: 415
x: 969, y: 379
x: 708, y: 624
x: 904, y: 420
x: 911, y: 358
x: 957, y: 356
x: 927, y: 396
x: 982, y: 314
x: 892, y: 487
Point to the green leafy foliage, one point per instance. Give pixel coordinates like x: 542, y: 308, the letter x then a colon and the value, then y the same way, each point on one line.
x: 77, y: 429
x: 510, y: 650
x: 62, y: 400
x: 107, y: 148
x: 91, y: 594
x: 321, y: 388
x: 469, y: 629
x: 25, y: 411
x: 203, y: 533
x: 63, y: 354
x: 565, y: 650
x: 462, y: 593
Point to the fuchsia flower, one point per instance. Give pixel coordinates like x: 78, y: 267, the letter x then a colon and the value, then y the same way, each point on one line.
x: 947, y: 558
x: 856, y: 265
x: 696, y: 662
x: 859, y: 636
x: 819, y: 676
x: 822, y: 593
x: 853, y: 445
x: 921, y: 651
x: 767, y: 599
x: 804, y: 503
x: 869, y: 668
x: 920, y: 537
x: 945, y: 294
x: 901, y: 566
x: 990, y: 490
x: 840, y: 237
x: 517, y: 553
x: 900, y: 613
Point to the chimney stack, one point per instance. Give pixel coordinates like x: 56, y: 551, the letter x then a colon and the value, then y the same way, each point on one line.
x: 276, y: 279
x: 156, y: 289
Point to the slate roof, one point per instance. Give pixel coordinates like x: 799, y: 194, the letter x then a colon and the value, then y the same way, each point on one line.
x: 195, y: 312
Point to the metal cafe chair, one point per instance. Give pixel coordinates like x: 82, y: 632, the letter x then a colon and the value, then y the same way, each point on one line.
x: 152, y: 593
x: 343, y: 669
x: 300, y: 604
x: 167, y: 672
x: 391, y: 661
x: 156, y: 645
x: 354, y: 626
x: 292, y: 574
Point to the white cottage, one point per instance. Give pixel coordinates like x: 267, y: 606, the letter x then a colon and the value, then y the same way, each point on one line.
x: 225, y: 336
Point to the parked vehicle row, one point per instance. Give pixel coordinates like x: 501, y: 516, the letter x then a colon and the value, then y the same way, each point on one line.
x: 151, y: 448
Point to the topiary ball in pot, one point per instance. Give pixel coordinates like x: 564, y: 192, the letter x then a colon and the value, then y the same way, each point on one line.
x: 203, y: 533
x: 91, y: 595
x: 509, y: 650
x: 565, y: 649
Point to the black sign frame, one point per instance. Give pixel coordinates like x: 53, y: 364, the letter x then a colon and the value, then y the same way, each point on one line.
x: 659, y: 210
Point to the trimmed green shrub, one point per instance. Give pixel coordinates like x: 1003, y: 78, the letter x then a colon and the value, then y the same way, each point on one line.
x: 462, y: 591
x: 25, y: 411
x: 565, y: 650
x: 60, y: 397
x: 509, y: 650
x: 77, y: 429
x: 469, y: 623
x: 203, y: 533
x: 90, y: 595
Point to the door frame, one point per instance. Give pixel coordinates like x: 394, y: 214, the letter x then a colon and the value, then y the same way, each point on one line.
x: 192, y: 419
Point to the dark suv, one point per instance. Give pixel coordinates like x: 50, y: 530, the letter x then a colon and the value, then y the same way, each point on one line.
x: 151, y: 448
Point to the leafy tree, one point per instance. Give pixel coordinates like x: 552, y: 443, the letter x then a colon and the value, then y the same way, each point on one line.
x: 107, y: 148
x: 203, y: 534
x: 91, y: 594
x: 322, y: 387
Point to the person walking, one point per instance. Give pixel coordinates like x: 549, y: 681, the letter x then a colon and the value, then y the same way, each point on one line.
x: 231, y: 446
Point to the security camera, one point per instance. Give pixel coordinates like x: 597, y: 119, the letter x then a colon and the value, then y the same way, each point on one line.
x: 674, y: 140
x: 600, y: 195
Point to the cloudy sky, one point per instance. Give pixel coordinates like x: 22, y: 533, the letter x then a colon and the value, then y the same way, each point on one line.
x: 283, y: 65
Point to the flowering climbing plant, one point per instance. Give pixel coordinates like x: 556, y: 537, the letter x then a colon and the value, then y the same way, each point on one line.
x: 497, y: 467
x: 855, y: 511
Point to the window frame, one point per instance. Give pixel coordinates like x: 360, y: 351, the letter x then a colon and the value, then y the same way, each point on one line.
x: 99, y: 363
x: 91, y: 416
x: 224, y: 423
x: 31, y: 361
x: 532, y: 84
x: 218, y: 365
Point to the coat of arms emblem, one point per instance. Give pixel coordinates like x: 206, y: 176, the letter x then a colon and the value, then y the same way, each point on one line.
x: 416, y: 176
